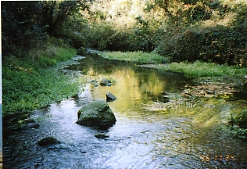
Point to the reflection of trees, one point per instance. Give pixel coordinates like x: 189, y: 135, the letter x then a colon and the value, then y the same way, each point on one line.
x: 97, y: 65
x: 135, y: 86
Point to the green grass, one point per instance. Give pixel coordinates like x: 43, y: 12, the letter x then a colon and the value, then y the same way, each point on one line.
x: 29, y: 84
x: 190, y: 70
x: 137, y: 57
x: 202, y: 69
x: 53, y: 55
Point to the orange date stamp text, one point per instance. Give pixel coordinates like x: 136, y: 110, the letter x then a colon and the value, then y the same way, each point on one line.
x: 214, y: 157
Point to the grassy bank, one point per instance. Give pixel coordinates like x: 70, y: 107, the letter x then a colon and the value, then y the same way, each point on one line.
x: 191, y: 70
x: 29, y: 84
x: 137, y: 57
x: 202, y: 69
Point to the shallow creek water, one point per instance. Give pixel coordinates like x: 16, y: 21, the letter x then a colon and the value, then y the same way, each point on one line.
x: 142, y: 137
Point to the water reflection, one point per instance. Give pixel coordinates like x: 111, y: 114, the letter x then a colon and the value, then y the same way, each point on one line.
x: 134, y: 86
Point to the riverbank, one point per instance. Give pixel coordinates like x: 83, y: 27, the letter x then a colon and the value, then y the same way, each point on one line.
x: 29, y: 84
x: 196, y: 69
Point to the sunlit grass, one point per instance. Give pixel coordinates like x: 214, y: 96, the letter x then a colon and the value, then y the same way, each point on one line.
x: 201, y: 69
x: 138, y: 57
x: 190, y: 70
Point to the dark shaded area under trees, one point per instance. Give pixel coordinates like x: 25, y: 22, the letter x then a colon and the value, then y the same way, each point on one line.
x: 31, y: 25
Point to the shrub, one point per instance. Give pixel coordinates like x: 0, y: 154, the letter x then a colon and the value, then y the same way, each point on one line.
x: 241, y: 121
x: 220, y: 44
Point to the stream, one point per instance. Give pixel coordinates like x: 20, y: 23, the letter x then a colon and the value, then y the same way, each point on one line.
x: 145, y: 136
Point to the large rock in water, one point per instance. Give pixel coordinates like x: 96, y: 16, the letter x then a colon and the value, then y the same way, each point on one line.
x: 96, y: 114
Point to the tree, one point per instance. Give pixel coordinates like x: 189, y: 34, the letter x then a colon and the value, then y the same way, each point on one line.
x: 25, y: 25
x: 56, y: 13
x: 21, y: 25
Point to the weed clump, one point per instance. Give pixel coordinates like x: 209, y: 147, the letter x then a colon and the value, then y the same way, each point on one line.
x: 240, y: 121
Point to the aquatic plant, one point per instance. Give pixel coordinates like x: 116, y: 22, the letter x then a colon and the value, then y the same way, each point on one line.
x: 240, y: 120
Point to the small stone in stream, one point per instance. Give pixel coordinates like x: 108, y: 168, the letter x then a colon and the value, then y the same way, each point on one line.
x: 48, y: 141
x: 209, y: 92
x: 105, y: 82
x: 32, y: 126
x: 101, y: 136
x: 166, y: 99
x: 110, y: 97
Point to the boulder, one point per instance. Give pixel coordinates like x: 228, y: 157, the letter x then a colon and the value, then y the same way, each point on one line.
x: 110, y: 97
x: 96, y: 114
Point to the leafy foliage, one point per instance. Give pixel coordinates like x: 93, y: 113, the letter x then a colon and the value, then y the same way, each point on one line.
x: 225, y: 45
x: 241, y: 121
x: 186, y: 30
x: 21, y: 26
x: 28, y: 25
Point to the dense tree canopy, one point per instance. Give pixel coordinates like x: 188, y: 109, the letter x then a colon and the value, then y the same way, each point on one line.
x: 28, y: 24
x: 185, y: 30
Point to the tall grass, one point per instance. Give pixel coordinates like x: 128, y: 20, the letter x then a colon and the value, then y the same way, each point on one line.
x: 52, y: 55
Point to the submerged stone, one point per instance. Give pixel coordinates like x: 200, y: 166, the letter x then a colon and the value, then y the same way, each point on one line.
x: 96, y: 114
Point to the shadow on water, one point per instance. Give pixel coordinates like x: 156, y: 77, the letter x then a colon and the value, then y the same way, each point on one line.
x: 141, y: 137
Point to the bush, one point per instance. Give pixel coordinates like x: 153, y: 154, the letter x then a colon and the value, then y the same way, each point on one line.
x: 220, y: 44
x: 241, y: 121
